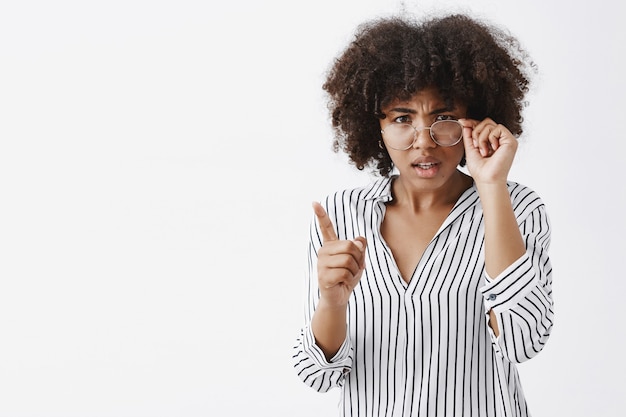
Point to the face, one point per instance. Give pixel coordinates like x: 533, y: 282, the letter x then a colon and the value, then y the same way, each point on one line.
x: 425, y: 164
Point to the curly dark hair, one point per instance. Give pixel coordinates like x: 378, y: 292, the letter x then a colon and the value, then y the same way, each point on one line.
x: 467, y: 61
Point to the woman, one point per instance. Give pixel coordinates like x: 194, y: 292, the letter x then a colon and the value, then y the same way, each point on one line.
x: 426, y: 287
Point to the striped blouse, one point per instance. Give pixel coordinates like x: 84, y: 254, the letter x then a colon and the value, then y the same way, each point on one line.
x: 425, y: 348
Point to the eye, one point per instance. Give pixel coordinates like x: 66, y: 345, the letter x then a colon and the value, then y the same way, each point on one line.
x: 402, y: 119
x: 445, y: 117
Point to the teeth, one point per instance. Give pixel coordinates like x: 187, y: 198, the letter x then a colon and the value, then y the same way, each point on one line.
x: 425, y: 166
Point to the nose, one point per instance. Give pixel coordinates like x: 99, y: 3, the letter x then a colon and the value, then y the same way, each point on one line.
x: 423, y: 139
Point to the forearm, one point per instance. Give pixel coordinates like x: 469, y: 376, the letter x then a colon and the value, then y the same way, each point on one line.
x: 329, y: 328
x: 503, y: 240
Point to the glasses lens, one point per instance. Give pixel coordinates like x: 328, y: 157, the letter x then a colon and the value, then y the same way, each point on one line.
x: 399, y: 136
x: 446, y: 132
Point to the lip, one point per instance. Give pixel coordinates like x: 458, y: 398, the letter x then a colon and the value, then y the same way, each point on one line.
x: 426, y: 166
x: 424, y: 160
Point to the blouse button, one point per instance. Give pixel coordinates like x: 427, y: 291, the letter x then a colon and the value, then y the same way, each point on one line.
x: 491, y: 297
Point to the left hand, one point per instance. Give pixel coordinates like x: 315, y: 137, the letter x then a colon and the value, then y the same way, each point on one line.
x: 489, y: 150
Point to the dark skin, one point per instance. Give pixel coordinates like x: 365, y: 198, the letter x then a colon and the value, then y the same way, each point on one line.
x: 427, y: 188
x: 420, y: 224
x: 422, y: 197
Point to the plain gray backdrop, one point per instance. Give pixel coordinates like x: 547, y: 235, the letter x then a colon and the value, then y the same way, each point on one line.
x: 158, y: 160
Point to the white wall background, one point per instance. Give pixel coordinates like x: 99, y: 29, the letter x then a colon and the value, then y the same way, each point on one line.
x: 157, y: 164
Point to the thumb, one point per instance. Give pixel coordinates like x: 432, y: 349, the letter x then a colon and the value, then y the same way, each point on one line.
x: 360, y: 243
x: 471, y: 150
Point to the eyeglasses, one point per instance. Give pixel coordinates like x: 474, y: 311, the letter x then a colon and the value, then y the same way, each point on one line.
x: 402, y: 136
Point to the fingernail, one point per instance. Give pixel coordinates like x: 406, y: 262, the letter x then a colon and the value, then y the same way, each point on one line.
x: 358, y: 244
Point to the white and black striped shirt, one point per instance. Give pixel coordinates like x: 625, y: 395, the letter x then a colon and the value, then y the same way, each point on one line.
x: 425, y: 348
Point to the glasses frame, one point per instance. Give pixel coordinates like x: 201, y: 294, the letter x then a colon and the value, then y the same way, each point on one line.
x: 430, y: 132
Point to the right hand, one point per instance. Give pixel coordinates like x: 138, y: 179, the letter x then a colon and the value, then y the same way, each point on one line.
x: 340, y: 263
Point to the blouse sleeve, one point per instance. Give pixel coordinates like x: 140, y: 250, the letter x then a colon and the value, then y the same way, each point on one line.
x: 521, y: 296
x: 309, y: 360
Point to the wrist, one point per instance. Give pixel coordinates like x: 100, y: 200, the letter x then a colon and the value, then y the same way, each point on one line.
x: 330, y: 307
x: 492, y: 185
x: 490, y: 190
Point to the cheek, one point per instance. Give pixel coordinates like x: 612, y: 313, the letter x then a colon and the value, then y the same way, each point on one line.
x: 397, y: 157
x: 456, y: 152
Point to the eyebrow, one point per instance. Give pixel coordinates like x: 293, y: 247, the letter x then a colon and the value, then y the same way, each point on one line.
x: 411, y: 111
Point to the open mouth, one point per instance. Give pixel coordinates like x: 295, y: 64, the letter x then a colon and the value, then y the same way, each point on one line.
x: 425, y: 166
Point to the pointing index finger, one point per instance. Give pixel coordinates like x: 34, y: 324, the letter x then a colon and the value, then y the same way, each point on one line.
x: 326, y: 226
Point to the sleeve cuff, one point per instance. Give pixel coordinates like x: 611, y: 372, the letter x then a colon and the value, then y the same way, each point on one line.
x: 510, y: 286
x: 341, y: 360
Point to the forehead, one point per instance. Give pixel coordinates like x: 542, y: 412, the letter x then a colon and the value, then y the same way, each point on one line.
x: 427, y: 96
x: 428, y: 99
